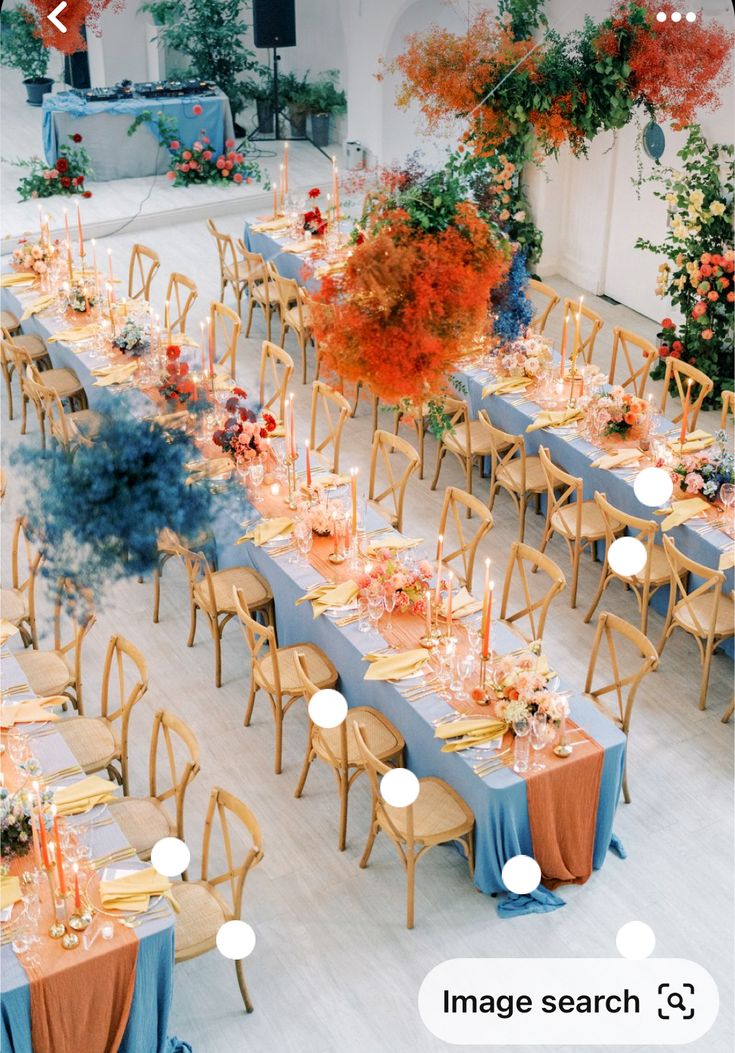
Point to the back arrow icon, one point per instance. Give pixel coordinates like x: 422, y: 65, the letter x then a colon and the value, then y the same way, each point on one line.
x: 54, y: 20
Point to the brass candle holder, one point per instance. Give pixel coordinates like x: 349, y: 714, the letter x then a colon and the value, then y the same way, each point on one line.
x: 339, y: 526
x: 57, y: 927
x: 70, y: 940
x: 291, y: 479
x: 80, y: 919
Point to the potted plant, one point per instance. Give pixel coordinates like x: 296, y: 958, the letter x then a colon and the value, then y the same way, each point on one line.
x: 324, y: 100
x: 23, y: 49
x: 261, y: 92
x: 295, y: 93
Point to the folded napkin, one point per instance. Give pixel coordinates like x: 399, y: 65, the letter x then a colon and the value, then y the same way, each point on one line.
x: 464, y: 734
x: 168, y: 420
x: 83, y: 795
x: 324, y: 480
x: 330, y: 594
x: 278, y: 223
x: 37, y: 305
x: 116, y: 376
x: 267, y: 530
x: 505, y: 386
x: 619, y: 458
x: 72, y: 336
x: 681, y: 511
x: 114, y: 368
x: 297, y: 247
x: 30, y: 711
x: 133, y: 892
x: 7, y: 629
x: 9, y: 891
x: 727, y: 560
x: 330, y: 268
x: 21, y: 278
x: 397, y: 666
x: 555, y: 419
x: 396, y: 542
x: 695, y: 441
x: 463, y: 603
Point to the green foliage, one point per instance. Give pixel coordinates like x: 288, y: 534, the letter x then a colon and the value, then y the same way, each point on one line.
x: 22, y: 47
x: 525, y: 16
x: 294, y: 91
x: 66, y: 177
x: 325, y: 96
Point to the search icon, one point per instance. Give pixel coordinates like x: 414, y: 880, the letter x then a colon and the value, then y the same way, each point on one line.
x: 675, y: 1000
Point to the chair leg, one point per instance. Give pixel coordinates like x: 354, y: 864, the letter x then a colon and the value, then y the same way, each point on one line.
x: 249, y: 323
x: 24, y: 414
x: 310, y: 755
x: 217, y: 639
x: 439, y: 458
x: 192, y: 622
x: 303, y: 360
x: 251, y: 702
x: 410, y: 891
x: 156, y: 594
x: 575, y: 575
x: 522, y: 505
x: 243, y: 986
x: 728, y: 712
x: 626, y: 791
x: 598, y: 595
x: 704, y: 684
x: 344, y: 789
x: 9, y: 391
x: 278, y: 756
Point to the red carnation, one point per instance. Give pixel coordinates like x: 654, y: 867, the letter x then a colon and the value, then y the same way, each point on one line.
x: 270, y: 421
x: 87, y: 193
x: 65, y: 181
x: 170, y: 175
x: 173, y: 351
x: 667, y: 324
x: 174, y: 144
x: 240, y: 392
x: 76, y: 137
x: 237, y: 177
x: 664, y: 350
x: 196, y: 109
x: 62, y: 165
x: 229, y: 143
x: 220, y: 162
x: 314, y: 192
x: 675, y: 354
x: 183, y: 368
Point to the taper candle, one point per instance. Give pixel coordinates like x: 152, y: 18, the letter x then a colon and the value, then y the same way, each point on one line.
x: 77, y: 897
x: 80, y: 231
x: 42, y: 833
x: 439, y: 556
x: 59, y: 855
x: 563, y: 343
x: 66, y: 228
x: 40, y: 222
x: 485, y: 608
x: 450, y: 601
x: 308, y: 464
x: 427, y: 611
x: 167, y: 321
x: 353, y: 486
x: 203, y: 348
x: 210, y: 331
x: 275, y: 201
x: 285, y: 168
x: 94, y: 265
x: 109, y: 266
x: 685, y: 414
x: 293, y: 427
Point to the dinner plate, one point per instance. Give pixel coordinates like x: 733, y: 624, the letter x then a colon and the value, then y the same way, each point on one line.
x: 110, y: 874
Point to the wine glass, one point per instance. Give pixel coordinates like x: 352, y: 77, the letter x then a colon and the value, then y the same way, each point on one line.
x: 18, y: 747
x: 521, y: 729
x: 727, y: 499
x: 389, y: 601
x: 304, y: 540
x: 256, y: 473
x: 376, y: 609
x: 539, y: 739
x: 363, y: 624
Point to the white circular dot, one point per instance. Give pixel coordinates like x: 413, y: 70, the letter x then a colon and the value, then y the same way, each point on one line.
x: 627, y: 556
x: 691, y: 16
x: 170, y: 856
x: 327, y: 708
x: 676, y: 16
x: 653, y: 486
x: 661, y: 16
x: 635, y: 940
x: 235, y: 939
x: 521, y: 874
x: 399, y: 787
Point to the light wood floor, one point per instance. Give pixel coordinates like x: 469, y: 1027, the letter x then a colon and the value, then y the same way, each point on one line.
x: 334, y: 969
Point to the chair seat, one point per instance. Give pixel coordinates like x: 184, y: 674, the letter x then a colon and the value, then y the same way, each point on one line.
x: 47, y: 672
x: 32, y: 344
x: 319, y: 669
x: 13, y: 605
x: 439, y: 814
x: 511, y: 475
x: 660, y: 569
x: 143, y: 820
x: 265, y: 292
x: 480, y: 443
x: 380, y: 736
x: 87, y: 420
x: 9, y: 321
x: 64, y: 382
x: 702, y: 607
x: 564, y: 520
x: 201, y: 912
x: 294, y: 320
x: 92, y: 740
x: 256, y: 588
x: 230, y: 276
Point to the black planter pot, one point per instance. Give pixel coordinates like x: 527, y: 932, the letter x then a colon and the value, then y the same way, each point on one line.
x: 265, y: 115
x: 297, y: 120
x: 320, y: 129
x: 36, y: 88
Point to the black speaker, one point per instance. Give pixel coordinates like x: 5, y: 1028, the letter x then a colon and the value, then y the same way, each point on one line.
x: 274, y: 23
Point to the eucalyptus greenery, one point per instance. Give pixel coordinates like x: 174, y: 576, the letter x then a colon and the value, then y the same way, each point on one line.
x: 22, y: 47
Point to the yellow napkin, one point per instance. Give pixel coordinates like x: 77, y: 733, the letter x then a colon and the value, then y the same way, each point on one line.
x: 468, y: 733
x: 83, y: 795
x: 22, y: 278
x: 9, y: 891
x: 267, y: 530
x: 695, y: 441
x: 683, y: 510
x: 330, y: 594
x: 298, y: 247
x: 727, y: 560
x: 133, y: 892
x: 555, y: 419
x: 37, y: 305
x: 30, y: 711
x: 7, y: 629
x: 396, y: 542
x: 618, y: 459
x: 117, y: 375
x: 505, y: 386
x: 279, y: 223
x: 114, y: 369
x: 397, y: 666
x: 463, y: 603
x: 331, y: 268
x: 324, y: 480
x: 72, y: 336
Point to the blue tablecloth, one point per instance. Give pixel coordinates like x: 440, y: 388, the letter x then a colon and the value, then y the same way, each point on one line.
x: 113, y: 154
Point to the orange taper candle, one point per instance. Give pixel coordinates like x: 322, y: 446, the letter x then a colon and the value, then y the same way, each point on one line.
x: 59, y: 856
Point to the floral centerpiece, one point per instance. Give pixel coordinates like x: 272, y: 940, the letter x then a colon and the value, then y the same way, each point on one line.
x: 67, y: 176
x: 527, y: 357
x: 176, y: 385
x: 243, y: 436
x: 386, y: 573
x: 320, y: 517
x: 520, y: 682
x: 16, y: 831
x: 79, y: 298
x: 34, y: 255
x: 130, y: 339
x: 615, y: 413
x: 704, y: 473
x: 314, y: 222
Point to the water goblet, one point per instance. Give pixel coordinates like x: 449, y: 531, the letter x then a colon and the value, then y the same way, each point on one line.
x: 363, y: 624
x: 389, y: 601
x: 256, y: 473
x: 304, y: 541
x: 521, y: 729
x: 539, y: 739
x: 727, y: 499
x: 376, y: 608
x: 19, y: 747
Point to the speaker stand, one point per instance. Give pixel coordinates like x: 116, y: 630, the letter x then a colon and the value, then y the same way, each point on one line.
x: 276, y: 136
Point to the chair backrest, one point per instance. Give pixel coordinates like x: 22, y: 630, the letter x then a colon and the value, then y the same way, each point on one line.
x: 18, y: 355
x: 120, y: 657
x: 276, y: 368
x: 458, y: 416
x: 680, y: 373
x: 315, y: 732
x: 680, y: 600
x: 180, y: 295
x: 252, y: 266
x: 330, y: 410
x: 551, y: 298
x: 590, y: 323
x: 223, y: 808
x: 505, y: 447
x: 259, y: 638
x: 560, y: 489
x: 77, y: 608
x: 226, y: 324
x: 613, y: 630
x: 374, y: 768
x: 384, y: 445
x: 291, y: 296
x: 144, y: 263
x: 631, y: 348
x: 226, y: 253
x: 24, y: 564
x: 455, y: 506
x: 728, y: 407
x: 197, y: 569
x: 182, y: 756
x: 644, y: 530
x: 35, y: 389
x: 523, y: 563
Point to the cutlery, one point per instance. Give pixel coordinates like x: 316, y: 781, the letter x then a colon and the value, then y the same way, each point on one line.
x: 450, y: 718
x: 418, y: 689
x: 349, y: 619
x: 488, y: 769
x: 113, y: 857
x: 16, y: 690
x: 422, y: 695
x: 62, y: 773
x: 136, y: 920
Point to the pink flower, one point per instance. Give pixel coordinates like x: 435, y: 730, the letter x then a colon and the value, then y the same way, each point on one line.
x: 229, y: 143
x: 207, y: 155
x: 184, y: 168
x: 197, y: 146
x: 186, y: 155
x: 220, y: 162
x: 205, y: 138
x: 196, y: 109
x: 170, y: 175
x: 174, y: 145
x: 693, y: 483
x: 237, y: 177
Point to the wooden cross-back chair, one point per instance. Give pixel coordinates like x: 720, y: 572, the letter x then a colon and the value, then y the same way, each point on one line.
x: 229, y: 265
x: 437, y: 816
x: 551, y: 298
x: 101, y: 743
x: 579, y: 522
x: 465, y: 438
x: 679, y: 373
x: 613, y: 630
x: 18, y: 603
x: 513, y: 470
x: 586, y: 339
x: 144, y: 263
x: 654, y: 575
x: 337, y: 747
x: 414, y: 416
x: 69, y: 428
x: 454, y: 510
x: 389, y: 501
x: 294, y: 316
x: 276, y: 370
x: 168, y: 547
x: 180, y: 296
x: 728, y: 407
x: 273, y: 669
x: 329, y: 411
x: 64, y: 382
x: 706, y: 613
x: 637, y: 354
x: 203, y: 908
x: 524, y: 560
x: 261, y: 285
x: 58, y: 671
x: 226, y: 324
x: 35, y: 352
x: 145, y: 820
x: 9, y: 322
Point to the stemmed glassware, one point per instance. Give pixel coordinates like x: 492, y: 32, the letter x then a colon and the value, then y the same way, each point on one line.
x: 727, y: 499
x: 389, y: 601
x: 376, y: 608
x: 304, y: 539
x: 539, y: 739
x: 521, y: 729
